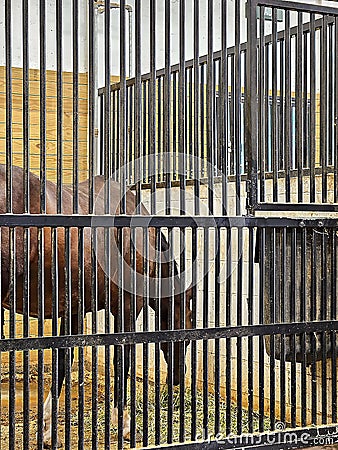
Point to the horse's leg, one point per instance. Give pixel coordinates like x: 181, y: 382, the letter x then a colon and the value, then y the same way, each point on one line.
x: 126, y: 365
x: 47, y: 407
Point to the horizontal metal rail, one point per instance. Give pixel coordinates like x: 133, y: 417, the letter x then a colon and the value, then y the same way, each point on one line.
x: 148, y: 337
x: 87, y: 221
x: 320, y: 7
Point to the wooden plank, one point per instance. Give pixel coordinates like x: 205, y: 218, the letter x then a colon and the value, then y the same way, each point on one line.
x: 51, y: 132
x: 51, y: 147
x: 51, y: 88
x: 34, y: 117
x: 51, y: 103
x: 34, y: 75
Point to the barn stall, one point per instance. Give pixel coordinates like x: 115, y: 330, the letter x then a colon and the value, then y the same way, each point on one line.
x: 220, y: 118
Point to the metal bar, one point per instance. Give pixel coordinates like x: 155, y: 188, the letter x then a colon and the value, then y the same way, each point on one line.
x: 250, y: 339
x: 9, y: 104
x: 323, y: 107
x: 313, y: 317
x: 50, y: 220
x: 299, y: 112
x: 75, y: 25
x: 237, y: 95
x: 312, y: 108
x: 273, y: 120
x: 144, y: 337
x: 123, y: 109
x: 59, y: 104
x: 152, y: 108
x: 167, y: 110
x: 181, y: 107
x: 138, y: 107
x: 224, y: 110
x: 43, y: 115
x: 288, y: 120
x: 251, y: 110
x: 91, y: 110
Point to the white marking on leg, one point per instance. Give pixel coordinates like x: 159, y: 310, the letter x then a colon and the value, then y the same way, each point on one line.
x: 47, y: 421
x: 126, y: 421
x: 47, y: 418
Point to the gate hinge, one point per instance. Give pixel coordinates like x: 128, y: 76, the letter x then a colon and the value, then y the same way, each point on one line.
x: 248, y: 197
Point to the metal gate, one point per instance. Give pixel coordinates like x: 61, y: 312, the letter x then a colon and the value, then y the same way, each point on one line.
x: 168, y: 236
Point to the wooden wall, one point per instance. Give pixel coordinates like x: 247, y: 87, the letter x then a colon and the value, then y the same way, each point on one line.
x: 51, y: 122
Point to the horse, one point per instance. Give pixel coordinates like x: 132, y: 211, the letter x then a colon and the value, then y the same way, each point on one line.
x: 168, y: 271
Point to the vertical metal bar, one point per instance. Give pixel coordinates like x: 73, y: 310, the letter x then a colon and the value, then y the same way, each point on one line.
x: 303, y: 319
x: 145, y: 328
x: 138, y: 105
x: 312, y: 108
x: 26, y: 358
x: 281, y: 119
x: 123, y: 107
x: 12, y: 332
x: 283, y: 296
x: 210, y: 108
x: 261, y: 376
x: 170, y: 343
x: 67, y: 331
x: 41, y: 303
x: 181, y: 108
x: 217, y: 324
x: 305, y: 103
x: 251, y: 110
x: 224, y: 106
x: 287, y: 140
x: 333, y: 317
x: 205, y: 325
x: 193, y: 343
x: 323, y: 316
x: 152, y: 108
x: 91, y: 109
x: 229, y: 249
x: 122, y: 174
x: 335, y: 145
x: 261, y: 107
x: 94, y: 307
x: 292, y: 319
x: 76, y: 105
x: 250, y: 338
x: 202, y: 115
x: 159, y: 130
x: 313, y: 316
x: 9, y: 105
x: 55, y: 313
x: 26, y: 291
x: 273, y: 284
x: 237, y: 102
x: 299, y: 102
x: 107, y: 109
x: 59, y: 103
x: 323, y: 106
x: 157, y: 328
x: 107, y: 352
x: 239, y: 322
x: 81, y: 314
x: 25, y: 102
x: 274, y: 141
x: 167, y: 109
x: 133, y: 315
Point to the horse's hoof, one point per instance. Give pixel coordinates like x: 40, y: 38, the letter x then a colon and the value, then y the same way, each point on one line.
x: 138, y: 436
x: 48, y: 444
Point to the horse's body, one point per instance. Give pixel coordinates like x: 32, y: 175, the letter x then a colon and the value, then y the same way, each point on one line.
x: 67, y: 208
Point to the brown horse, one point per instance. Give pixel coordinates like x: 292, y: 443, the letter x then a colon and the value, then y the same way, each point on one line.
x: 115, y: 290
